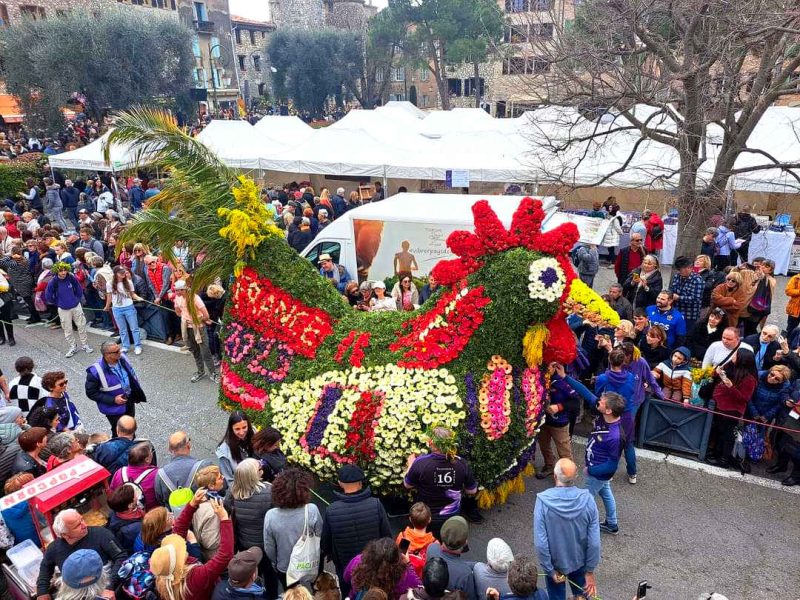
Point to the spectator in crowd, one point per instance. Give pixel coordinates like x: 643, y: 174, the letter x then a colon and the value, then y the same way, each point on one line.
x: 435, y: 579
x: 643, y: 285
x: 687, y: 290
x: 381, y: 302
x: 156, y: 525
x: 668, y: 317
x: 73, y: 535
x: 193, y: 330
x: 113, y: 384
x: 242, y: 582
x: 726, y: 246
x: 337, y: 274
x: 18, y: 517
x: 284, y: 524
x: 120, y: 296
x: 176, y: 577
x: 65, y: 292
x: 454, y: 541
x: 744, y: 226
x: 113, y: 454
x: 418, y: 536
x: 355, y: 518
x: 654, y: 241
x: 405, y: 293
x: 708, y: 243
x: 603, y: 449
x: 792, y: 290
x: 55, y: 382
x: 612, y: 236
x: 759, y: 306
x: 523, y: 580
x: 26, y: 389
x: 765, y: 345
x: 381, y: 566
x: 421, y: 476
x: 559, y: 414
x: 136, y: 196
x: 771, y: 395
x: 429, y: 289
x: 249, y: 499
x: 654, y: 346
x: 32, y: 441
x: 236, y: 445
x: 494, y: 572
x: 641, y: 325
x: 267, y: 448
x: 721, y: 352
x: 126, y: 519
x: 83, y: 577
x: 53, y: 205
x: 731, y: 296
x: 587, y: 262
x: 17, y: 269
x: 707, y: 331
x: 736, y: 384
x: 711, y: 278
x: 619, y: 302
x: 205, y: 523
x: 181, y: 470
x: 140, y: 471
x: 675, y: 376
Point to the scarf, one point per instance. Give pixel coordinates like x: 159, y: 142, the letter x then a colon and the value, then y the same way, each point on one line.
x: 156, y: 276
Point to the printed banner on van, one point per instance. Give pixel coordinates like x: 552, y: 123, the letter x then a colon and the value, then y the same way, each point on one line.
x: 384, y: 248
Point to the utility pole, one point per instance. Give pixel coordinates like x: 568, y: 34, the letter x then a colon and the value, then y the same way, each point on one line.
x: 213, y: 74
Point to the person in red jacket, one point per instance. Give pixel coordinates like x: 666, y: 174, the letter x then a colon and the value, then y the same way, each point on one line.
x: 736, y: 382
x: 655, y: 234
x: 177, y: 580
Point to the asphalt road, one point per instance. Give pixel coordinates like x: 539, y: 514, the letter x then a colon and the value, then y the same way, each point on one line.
x: 684, y: 530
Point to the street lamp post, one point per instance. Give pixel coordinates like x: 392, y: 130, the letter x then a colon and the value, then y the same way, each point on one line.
x: 213, y: 73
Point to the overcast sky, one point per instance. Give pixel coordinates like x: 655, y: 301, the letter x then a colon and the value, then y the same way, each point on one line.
x: 257, y: 9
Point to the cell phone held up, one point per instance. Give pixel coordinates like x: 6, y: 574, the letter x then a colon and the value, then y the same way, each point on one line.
x: 404, y: 545
x: 641, y: 591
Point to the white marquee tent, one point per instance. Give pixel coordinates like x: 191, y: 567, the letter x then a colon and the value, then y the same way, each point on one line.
x: 90, y: 157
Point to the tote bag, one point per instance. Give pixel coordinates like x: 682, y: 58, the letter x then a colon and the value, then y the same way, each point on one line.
x: 304, y: 561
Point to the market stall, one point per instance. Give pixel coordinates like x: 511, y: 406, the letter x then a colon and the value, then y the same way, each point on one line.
x: 776, y: 245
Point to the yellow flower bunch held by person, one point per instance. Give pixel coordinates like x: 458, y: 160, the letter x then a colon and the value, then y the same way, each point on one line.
x: 587, y: 303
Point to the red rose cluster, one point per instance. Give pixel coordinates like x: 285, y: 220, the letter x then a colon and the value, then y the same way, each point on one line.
x: 359, y: 341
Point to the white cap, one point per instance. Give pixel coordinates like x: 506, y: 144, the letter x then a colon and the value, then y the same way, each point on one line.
x: 379, y: 284
x: 180, y: 284
x: 340, y: 191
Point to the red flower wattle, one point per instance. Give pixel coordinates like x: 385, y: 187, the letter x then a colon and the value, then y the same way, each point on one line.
x: 358, y: 341
x: 276, y: 314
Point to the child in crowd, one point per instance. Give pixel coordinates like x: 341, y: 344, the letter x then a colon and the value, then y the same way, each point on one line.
x: 416, y: 534
x: 675, y: 375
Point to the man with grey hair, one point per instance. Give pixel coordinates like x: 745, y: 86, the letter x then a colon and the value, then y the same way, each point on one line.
x: 72, y: 536
x: 765, y: 345
x: 180, y: 471
x: 566, y: 531
x: 619, y: 302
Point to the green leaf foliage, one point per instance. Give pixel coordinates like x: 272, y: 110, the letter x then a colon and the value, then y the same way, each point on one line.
x: 13, y: 176
x: 116, y: 60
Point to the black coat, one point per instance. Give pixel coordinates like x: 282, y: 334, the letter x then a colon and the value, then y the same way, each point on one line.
x: 637, y: 295
x: 700, y: 339
x: 349, y: 524
x: 248, y: 517
x: 769, y: 356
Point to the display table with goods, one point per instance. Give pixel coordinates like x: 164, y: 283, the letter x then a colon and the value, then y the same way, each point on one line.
x: 346, y: 386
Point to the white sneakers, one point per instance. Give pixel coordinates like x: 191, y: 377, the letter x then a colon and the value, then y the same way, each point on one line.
x: 71, y: 352
x: 88, y: 349
x: 137, y: 351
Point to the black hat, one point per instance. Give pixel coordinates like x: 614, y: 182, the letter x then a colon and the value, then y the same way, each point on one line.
x: 351, y: 474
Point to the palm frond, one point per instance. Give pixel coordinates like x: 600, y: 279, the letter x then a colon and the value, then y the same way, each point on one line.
x: 186, y: 207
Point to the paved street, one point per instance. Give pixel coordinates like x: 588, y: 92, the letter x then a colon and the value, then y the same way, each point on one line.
x: 683, y: 530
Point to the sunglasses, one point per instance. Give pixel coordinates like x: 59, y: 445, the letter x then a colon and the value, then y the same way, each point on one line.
x: 62, y: 383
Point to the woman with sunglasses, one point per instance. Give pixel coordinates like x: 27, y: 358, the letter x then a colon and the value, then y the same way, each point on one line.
x: 771, y: 394
x: 55, y: 382
x: 405, y: 293
x: 731, y: 296
x: 707, y: 331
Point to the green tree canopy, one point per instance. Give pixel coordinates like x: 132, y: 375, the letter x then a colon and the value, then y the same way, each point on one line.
x: 119, y: 60
x: 313, y: 66
x: 437, y: 33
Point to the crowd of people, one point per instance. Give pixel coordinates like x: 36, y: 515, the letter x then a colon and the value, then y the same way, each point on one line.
x: 60, y: 259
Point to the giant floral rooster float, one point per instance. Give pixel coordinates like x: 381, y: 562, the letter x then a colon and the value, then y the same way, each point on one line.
x: 345, y: 386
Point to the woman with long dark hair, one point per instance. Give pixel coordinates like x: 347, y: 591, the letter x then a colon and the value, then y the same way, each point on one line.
x: 381, y: 565
x: 236, y: 445
x: 707, y: 331
x: 736, y: 382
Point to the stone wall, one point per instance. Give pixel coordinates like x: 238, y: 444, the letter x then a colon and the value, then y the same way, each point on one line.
x: 12, y: 11
x: 251, y: 42
x: 299, y: 14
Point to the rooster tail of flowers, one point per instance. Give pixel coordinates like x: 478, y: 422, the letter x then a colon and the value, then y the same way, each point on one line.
x: 533, y: 344
x: 488, y: 498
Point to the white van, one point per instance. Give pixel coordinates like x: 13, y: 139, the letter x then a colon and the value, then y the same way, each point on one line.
x: 408, y: 232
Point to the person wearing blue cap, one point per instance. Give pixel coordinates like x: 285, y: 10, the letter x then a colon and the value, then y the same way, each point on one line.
x: 82, y: 577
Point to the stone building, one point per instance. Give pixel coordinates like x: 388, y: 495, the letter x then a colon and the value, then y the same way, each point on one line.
x: 251, y: 38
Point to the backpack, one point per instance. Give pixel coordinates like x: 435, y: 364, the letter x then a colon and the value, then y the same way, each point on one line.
x: 657, y: 232
x: 753, y: 442
x: 138, y: 581
x: 165, y: 479
x: 136, y: 483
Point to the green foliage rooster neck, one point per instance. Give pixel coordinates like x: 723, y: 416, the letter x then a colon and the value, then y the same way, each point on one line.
x: 347, y: 386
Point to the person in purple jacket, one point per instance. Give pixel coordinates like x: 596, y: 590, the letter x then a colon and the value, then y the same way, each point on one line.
x: 603, y: 448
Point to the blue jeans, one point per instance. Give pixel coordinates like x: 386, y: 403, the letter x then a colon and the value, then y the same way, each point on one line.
x: 127, y: 321
x: 603, y: 489
x: 558, y: 591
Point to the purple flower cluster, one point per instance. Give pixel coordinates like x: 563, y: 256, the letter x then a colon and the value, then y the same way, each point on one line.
x: 471, y: 424
x: 548, y: 277
x: 523, y: 459
x: 319, y: 422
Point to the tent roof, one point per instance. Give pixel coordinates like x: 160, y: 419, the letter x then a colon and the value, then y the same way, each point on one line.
x: 283, y: 129
x: 235, y: 142
x: 90, y: 157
